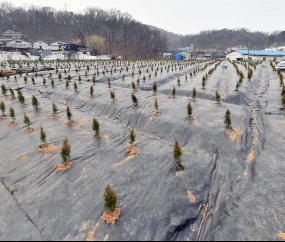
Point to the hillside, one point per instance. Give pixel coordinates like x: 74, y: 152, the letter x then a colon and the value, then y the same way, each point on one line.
x: 225, y: 38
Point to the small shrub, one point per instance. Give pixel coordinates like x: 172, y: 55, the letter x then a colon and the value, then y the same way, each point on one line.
x: 112, y: 95
x: 173, y: 91
x: 12, y: 93
x: 59, y: 76
x: 65, y: 152
x: 133, y: 85
x: 134, y: 99
x: 93, y: 80
x: 79, y: 78
x: 227, y: 120
x: 283, y: 90
x: 156, y: 105
x: 109, y: 82
x: 283, y: 101
x: 132, y: 136
x: 68, y: 114
x: 44, y: 81
x: 110, y: 199
x: 66, y: 84
x: 12, y: 113
x: 35, y: 102
x: 237, y: 86
x: 96, y: 126
x: 54, y: 109
x: 203, y: 84
x: 27, y: 120
x: 218, y: 97
x: 33, y: 80
x: 189, y: 110
x: 2, y: 107
x: 154, y: 87
x: 177, y: 153
x: 178, y: 81
x: 75, y: 86
x: 25, y: 79
x: 194, y: 93
x: 52, y: 82
x: 21, y: 98
x: 4, y: 89
x: 91, y: 91
x: 43, y: 135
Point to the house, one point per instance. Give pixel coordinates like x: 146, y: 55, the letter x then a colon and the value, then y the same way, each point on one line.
x: 41, y: 45
x: 10, y: 35
x: 18, y: 43
x: 56, y: 45
x: 256, y: 55
x: 186, y: 55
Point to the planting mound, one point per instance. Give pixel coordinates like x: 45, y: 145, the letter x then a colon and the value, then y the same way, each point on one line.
x: 232, y: 182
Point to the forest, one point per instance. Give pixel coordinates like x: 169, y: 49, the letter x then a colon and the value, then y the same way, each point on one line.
x: 122, y: 34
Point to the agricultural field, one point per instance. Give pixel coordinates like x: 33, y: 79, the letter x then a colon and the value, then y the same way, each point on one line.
x: 227, y: 183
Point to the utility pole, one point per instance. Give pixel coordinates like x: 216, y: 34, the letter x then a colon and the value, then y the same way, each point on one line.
x: 248, y: 51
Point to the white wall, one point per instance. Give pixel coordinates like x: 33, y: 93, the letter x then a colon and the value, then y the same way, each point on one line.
x: 235, y: 55
x: 44, y: 45
x: 14, y: 44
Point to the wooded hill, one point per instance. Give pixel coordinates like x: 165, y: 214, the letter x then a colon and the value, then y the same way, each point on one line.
x: 225, y: 38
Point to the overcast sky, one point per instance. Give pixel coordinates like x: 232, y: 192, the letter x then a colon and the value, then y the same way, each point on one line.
x: 188, y: 16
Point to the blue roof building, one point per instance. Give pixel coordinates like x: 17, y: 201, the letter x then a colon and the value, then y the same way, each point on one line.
x: 256, y: 55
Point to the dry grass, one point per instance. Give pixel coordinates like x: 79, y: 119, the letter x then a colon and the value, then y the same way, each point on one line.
x: 111, y: 216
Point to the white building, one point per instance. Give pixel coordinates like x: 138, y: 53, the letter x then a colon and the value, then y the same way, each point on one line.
x: 55, y: 45
x: 41, y: 45
x: 18, y: 43
x: 280, y: 48
x: 256, y: 55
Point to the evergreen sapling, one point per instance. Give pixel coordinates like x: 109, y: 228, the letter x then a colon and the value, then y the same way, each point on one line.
x: 189, y: 110
x: 43, y: 135
x: 68, y: 114
x: 218, y: 97
x: 54, y: 109
x: 65, y: 152
x: 96, y: 126
x: 27, y: 120
x: 177, y: 153
x: 227, y: 120
x: 3, y: 108
x: 110, y: 199
x: 35, y: 102
x: 132, y: 136
x: 12, y: 113
x: 194, y: 93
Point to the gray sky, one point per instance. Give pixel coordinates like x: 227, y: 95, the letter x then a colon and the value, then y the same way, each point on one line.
x: 189, y: 16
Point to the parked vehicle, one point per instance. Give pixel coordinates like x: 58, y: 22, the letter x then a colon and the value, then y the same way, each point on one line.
x: 281, y: 65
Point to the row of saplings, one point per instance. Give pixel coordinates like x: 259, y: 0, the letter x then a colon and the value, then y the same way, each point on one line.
x: 281, y: 84
x: 110, y: 198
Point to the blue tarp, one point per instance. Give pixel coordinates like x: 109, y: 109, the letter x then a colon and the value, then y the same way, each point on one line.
x: 179, y: 56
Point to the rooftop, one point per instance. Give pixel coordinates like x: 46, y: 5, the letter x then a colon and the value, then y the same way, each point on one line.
x: 261, y: 52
